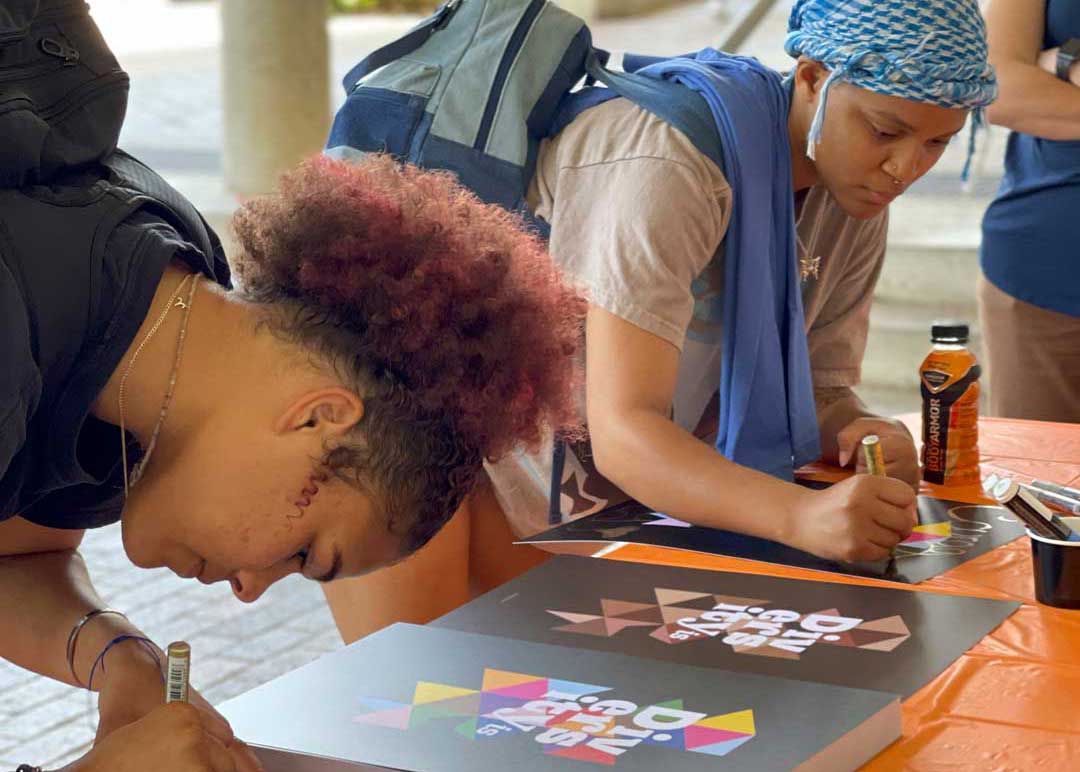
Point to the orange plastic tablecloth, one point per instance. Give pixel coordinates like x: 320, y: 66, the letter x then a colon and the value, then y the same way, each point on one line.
x: 1013, y: 701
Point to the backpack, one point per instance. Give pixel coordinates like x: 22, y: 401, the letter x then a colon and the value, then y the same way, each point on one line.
x: 474, y: 88
x: 62, y: 93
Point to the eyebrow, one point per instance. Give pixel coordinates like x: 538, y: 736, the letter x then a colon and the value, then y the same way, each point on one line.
x: 901, y: 123
x: 896, y: 119
x: 335, y: 569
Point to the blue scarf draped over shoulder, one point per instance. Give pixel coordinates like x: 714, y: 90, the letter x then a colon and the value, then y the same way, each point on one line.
x: 768, y: 420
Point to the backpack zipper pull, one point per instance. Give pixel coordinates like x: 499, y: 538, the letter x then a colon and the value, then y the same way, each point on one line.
x: 60, y: 50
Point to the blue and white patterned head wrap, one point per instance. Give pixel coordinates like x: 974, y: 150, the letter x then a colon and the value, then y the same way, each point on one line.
x: 924, y: 50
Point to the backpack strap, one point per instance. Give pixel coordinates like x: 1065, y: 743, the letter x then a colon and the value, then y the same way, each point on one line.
x: 132, y: 174
x: 403, y: 46
x: 674, y: 103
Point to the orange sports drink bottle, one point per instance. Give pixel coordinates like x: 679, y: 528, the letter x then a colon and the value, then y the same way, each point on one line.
x: 950, y: 413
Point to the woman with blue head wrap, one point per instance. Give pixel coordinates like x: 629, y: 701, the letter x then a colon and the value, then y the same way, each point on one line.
x: 741, y: 294
x: 924, y: 64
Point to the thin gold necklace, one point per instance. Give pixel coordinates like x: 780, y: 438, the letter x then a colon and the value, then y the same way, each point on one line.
x: 174, y: 302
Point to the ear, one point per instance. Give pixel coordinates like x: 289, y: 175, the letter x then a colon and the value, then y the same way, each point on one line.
x: 810, y: 76
x: 327, y: 413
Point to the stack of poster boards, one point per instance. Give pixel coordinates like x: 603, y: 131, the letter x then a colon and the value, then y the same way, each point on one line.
x: 587, y: 663
x: 431, y: 699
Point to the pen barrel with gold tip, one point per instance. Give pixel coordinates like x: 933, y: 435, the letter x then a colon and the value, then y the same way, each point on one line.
x: 178, y: 667
x: 872, y: 454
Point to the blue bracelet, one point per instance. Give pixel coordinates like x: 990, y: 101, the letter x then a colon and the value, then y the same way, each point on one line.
x: 146, y: 642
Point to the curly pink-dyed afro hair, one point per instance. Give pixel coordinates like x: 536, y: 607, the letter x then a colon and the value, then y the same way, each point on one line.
x: 442, y: 312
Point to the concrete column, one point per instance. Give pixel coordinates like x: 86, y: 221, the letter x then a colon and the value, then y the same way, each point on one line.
x: 586, y: 9
x: 275, y: 82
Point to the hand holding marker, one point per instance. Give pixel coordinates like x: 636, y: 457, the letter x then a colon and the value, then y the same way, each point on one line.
x: 178, y: 671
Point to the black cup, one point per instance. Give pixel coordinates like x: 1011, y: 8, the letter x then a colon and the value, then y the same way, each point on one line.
x: 1057, y: 568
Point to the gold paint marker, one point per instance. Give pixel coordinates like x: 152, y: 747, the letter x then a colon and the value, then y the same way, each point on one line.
x: 875, y: 459
x: 177, y: 670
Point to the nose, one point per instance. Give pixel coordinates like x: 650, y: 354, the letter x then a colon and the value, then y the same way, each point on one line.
x: 907, y: 162
x: 248, y: 586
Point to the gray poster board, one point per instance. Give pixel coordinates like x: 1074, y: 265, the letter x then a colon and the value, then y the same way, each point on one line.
x: 427, y: 698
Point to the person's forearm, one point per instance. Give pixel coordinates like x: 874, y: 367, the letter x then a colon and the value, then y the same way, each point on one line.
x: 42, y: 596
x: 1034, y: 101
x: 666, y: 467
x: 836, y: 408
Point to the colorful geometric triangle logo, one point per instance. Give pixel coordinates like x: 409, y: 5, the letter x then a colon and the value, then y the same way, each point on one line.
x: 566, y: 718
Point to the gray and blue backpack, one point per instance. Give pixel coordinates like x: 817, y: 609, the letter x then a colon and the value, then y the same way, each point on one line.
x: 474, y: 88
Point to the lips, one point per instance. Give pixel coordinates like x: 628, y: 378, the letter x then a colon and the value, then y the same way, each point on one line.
x: 209, y: 579
x: 193, y: 571
x: 881, y: 199
x: 198, y: 571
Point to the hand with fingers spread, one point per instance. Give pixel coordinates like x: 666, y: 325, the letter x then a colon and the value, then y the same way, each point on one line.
x: 861, y: 518
x: 177, y: 737
x: 897, y: 446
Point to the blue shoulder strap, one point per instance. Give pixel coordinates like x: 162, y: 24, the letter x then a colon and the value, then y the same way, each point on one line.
x: 674, y: 103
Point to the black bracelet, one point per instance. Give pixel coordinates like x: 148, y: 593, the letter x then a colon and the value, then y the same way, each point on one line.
x: 27, y: 768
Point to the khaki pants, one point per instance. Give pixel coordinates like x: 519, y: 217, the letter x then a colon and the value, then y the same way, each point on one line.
x: 1032, y: 358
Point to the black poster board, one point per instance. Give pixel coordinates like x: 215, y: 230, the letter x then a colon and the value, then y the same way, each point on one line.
x: 949, y: 533
x: 893, y: 640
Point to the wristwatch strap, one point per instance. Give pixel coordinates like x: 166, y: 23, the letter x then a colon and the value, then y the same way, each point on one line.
x: 1068, y: 53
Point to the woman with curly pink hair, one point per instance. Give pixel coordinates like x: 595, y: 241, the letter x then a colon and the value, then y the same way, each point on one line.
x: 387, y: 334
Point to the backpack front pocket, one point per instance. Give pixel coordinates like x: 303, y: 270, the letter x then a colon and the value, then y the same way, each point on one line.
x: 386, y: 118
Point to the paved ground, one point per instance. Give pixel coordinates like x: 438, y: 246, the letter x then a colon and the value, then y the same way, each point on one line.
x: 174, y: 123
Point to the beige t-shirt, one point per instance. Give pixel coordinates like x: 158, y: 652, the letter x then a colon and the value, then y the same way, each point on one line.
x: 637, y: 215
